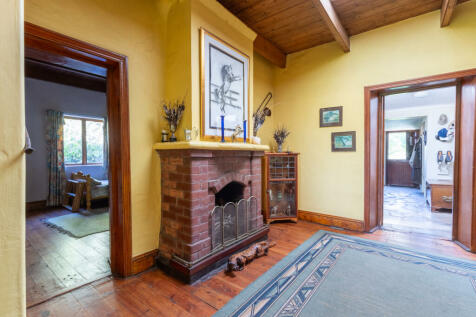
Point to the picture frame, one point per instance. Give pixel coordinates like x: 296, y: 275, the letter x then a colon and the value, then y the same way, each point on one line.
x: 224, y: 88
x: 343, y: 141
x: 331, y: 117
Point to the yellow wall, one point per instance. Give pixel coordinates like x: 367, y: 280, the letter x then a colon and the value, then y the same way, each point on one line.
x: 178, y: 70
x: 325, y: 76
x: 161, y: 40
x: 164, y: 64
x: 264, y: 83
x: 12, y: 162
x: 209, y: 14
x: 184, y: 20
x: 137, y: 30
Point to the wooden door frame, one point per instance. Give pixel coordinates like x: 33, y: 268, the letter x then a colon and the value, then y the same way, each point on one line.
x: 374, y: 142
x: 57, y: 49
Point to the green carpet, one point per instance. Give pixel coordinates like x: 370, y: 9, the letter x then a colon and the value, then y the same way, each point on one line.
x: 80, y: 224
x: 337, y: 275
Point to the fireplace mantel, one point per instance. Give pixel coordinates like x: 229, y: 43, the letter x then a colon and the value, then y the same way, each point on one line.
x: 207, y: 145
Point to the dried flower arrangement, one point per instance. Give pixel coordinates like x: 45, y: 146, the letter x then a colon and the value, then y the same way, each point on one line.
x: 261, y: 113
x: 173, y: 112
x: 279, y: 135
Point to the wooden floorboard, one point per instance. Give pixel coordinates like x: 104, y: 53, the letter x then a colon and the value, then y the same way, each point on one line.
x: 56, y: 263
x: 153, y: 293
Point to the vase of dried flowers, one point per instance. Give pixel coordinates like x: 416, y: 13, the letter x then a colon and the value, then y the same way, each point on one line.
x: 173, y: 128
x: 280, y: 136
x: 173, y: 112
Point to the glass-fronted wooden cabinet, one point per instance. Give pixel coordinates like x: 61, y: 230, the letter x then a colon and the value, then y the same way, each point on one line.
x: 280, y: 187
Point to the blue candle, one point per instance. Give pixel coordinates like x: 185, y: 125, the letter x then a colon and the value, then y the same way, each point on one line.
x: 222, y: 128
x: 244, y: 131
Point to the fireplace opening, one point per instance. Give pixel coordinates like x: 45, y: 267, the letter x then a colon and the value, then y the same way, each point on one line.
x: 233, y: 192
x: 234, y: 217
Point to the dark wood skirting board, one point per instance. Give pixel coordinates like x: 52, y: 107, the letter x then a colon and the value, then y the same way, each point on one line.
x: 35, y: 205
x: 143, y: 262
x: 209, y: 264
x: 329, y: 220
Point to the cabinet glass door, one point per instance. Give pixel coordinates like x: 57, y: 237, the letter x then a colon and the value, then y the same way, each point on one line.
x: 281, y: 197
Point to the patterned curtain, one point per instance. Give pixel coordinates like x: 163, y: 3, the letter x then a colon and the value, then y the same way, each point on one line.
x: 55, y: 147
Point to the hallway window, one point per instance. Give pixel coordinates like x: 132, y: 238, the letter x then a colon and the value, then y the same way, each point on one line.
x: 83, y: 141
x: 397, y: 146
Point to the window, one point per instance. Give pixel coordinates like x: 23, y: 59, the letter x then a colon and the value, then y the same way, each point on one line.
x: 83, y: 141
x: 397, y: 146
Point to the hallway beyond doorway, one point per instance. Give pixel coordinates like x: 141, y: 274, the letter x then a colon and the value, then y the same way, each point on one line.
x: 406, y: 210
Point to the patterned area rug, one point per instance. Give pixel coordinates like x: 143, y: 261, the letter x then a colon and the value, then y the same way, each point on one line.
x: 80, y: 224
x: 339, y: 275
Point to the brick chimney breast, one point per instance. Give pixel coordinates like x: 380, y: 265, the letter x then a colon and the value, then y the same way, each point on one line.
x: 190, y: 180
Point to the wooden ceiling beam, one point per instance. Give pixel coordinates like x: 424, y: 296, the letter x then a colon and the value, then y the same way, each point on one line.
x: 65, y: 76
x: 329, y: 15
x: 269, y: 51
x: 447, y: 9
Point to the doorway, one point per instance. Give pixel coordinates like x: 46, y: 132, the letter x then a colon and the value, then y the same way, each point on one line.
x: 104, y: 70
x: 464, y: 174
x: 399, y: 147
x: 418, y: 161
x: 67, y: 191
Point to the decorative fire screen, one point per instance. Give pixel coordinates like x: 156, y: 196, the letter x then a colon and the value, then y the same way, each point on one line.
x: 233, y: 222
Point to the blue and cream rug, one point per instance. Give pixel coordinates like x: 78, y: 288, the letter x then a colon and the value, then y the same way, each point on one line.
x: 338, y: 275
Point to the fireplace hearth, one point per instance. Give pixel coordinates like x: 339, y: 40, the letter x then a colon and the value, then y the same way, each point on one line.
x: 211, y: 207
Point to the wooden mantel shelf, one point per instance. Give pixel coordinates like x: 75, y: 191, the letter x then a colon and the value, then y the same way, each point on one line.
x: 207, y: 145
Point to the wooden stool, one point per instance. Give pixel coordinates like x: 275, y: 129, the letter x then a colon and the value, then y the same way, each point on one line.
x: 73, y: 194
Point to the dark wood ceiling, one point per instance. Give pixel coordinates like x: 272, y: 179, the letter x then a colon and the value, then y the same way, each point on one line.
x: 294, y: 25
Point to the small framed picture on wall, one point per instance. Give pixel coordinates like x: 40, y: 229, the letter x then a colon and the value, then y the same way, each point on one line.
x: 343, y: 141
x: 330, y: 117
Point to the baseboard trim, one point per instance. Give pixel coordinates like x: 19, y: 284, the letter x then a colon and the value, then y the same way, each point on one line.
x: 143, y: 262
x: 35, y: 205
x: 334, y: 221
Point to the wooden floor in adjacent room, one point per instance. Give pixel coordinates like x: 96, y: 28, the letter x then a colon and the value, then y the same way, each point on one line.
x: 153, y: 293
x: 56, y: 262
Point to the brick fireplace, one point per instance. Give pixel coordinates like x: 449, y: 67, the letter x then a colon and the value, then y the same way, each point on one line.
x: 194, y: 182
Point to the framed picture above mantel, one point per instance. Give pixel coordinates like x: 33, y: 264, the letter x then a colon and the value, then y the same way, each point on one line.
x: 224, y: 88
x: 330, y: 117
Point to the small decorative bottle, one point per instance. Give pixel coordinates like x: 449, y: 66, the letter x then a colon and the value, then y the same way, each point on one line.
x: 165, y: 136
